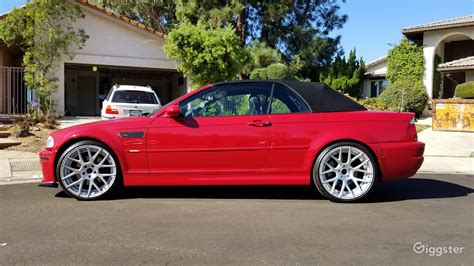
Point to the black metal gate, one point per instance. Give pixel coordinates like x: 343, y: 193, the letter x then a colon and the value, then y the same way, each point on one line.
x: 13, y: 96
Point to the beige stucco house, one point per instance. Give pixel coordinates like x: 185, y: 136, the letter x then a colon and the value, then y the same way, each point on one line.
x: 451, y: 41
x: 375, y: 77
x: 118, y: 51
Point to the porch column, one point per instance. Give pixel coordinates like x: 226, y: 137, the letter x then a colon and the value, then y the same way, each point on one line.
x: 428, y: 52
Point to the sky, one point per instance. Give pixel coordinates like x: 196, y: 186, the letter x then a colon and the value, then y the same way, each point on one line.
x: 374, y: 25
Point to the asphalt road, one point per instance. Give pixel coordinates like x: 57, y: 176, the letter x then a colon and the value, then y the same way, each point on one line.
x: 241, y: 225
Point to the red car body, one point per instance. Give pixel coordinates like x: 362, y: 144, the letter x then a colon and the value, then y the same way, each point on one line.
x: 242, y: 150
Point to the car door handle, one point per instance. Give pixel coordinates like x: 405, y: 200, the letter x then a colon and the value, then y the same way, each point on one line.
x: 259, y: 123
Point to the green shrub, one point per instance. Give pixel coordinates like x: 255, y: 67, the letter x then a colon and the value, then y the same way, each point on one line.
x: 405, y: 95
x: 278, y: 71
x: 465, y: 90
x: 372, y: 103
x: 259, y: 73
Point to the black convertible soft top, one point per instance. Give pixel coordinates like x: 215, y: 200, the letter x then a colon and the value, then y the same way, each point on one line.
x: 319, y: 97
x: 322, y: 98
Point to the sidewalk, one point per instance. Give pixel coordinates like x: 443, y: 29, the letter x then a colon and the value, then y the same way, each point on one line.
x: 447, y: 152
x: 19, y: 167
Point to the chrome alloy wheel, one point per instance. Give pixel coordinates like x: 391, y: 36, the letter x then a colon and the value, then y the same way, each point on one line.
x: 88, y: 171
x: 346, y: 173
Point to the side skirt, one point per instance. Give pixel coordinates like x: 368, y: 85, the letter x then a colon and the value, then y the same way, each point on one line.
x: 217, y: 180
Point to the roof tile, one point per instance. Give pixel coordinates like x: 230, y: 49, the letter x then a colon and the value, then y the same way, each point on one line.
x: 442, y: 24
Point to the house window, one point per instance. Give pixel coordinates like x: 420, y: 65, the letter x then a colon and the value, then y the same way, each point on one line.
x: 377, y: 86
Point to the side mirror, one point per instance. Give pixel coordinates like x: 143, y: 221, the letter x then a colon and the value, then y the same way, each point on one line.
x: 172, y: 111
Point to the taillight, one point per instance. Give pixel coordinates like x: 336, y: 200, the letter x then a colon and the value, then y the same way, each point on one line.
x: 111, y: 111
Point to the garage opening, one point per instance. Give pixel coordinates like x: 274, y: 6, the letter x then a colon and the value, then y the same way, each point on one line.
x: 87, y: 85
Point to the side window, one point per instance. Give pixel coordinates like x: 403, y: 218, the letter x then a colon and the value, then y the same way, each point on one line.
x: 285, y: 101
x: 229, y: 100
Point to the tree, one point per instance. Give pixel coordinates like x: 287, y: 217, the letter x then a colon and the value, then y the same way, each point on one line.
x: 263, y: 56
x: 405, y: 95
x: 207, y: 55
x: 157, y: 14
x: 405, y: 61
x: 344, y: 75
x: 44, y: 29
x: 299, y: 30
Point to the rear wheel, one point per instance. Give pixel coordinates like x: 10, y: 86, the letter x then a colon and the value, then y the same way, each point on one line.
x: 345, y: 172
x: 88, y: 170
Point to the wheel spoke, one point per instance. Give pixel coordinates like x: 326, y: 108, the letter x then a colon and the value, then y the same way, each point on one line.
x: 95, y: 155
x: 333, y: 186
x: 96, y: 187
x: 103, y: 175
x: 69, y: 175
x: 75, y: 160
x: 329, y: 171
x: 89, y: 189
x: 80, y: 156
x: 357, y: 184
x: 356, y: 157
x: 103, y: 180
x: 80, y: 187
x: 73, y: 183
x: 342, y: 188
x: 360, y: 165
x: 362, y: 171
x: 106, y: 165
x: 330, y: 180
x: 330, y: 166
x: 89, y: 153
x: 349, y: 155
x: 103, y: 160
x: 72, y: 169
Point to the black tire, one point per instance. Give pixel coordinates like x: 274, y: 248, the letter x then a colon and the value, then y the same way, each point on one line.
x: 318, y: 182
x: 112, y: 190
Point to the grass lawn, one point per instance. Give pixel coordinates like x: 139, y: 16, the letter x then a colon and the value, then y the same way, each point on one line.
x: 420, y: 128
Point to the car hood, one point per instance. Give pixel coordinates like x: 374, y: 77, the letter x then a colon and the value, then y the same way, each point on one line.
x: 109, y: 125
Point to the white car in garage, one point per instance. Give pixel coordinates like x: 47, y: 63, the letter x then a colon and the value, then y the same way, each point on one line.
x: 129, y: 100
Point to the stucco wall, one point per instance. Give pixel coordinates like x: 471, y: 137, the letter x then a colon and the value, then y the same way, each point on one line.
x: 379, y: 69
x: 113, y: 43
x: 431, y: 40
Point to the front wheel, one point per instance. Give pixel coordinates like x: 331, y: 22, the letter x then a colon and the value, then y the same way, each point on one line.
x: 88, y: 170
x: 345, y: 172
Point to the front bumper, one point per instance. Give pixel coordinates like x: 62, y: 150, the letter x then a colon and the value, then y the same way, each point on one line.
x: 47, y: 165
x: 400, y: 159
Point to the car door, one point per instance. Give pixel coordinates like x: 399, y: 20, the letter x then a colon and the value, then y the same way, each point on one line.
x: 292, y: 131
x: 222, y: 130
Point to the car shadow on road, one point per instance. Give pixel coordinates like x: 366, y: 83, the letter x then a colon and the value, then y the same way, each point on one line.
x: 418, y: 188
x: 407, y: 189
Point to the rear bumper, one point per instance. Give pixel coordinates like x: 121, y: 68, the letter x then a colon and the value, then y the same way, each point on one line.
x: 47, y: 165
x: 400, y: 159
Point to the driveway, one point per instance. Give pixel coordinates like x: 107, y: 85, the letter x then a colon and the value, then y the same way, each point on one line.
x: 241, y: 225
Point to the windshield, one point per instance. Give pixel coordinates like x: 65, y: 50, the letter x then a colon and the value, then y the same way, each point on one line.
x: 136, y: 97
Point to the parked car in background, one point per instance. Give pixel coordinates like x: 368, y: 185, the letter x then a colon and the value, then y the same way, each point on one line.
x: 240, y: 133
x: 129, y: 100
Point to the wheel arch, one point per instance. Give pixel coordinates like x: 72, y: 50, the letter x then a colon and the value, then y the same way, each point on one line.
x: 372, y: 152
x: 73, y: 141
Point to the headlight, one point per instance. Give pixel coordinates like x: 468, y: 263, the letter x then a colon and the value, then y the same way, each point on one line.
x: 49, y: 142
x: 412, y: 121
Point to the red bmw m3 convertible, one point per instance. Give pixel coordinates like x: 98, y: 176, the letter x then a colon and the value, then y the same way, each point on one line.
x: 240, y: 133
